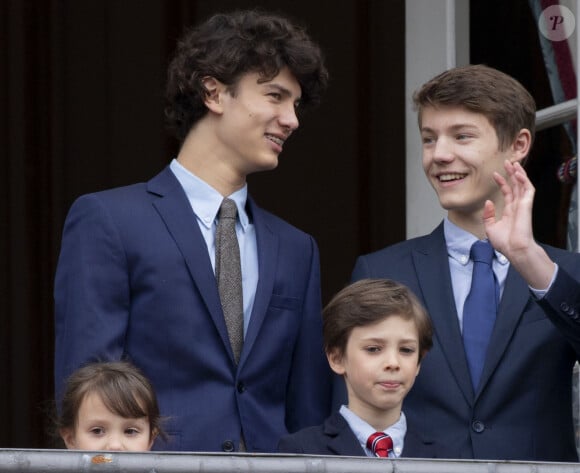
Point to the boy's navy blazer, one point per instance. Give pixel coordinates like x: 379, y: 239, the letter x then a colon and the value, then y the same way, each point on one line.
x: 522, y: 409
x: 335, y: 437
x: 134, y: 280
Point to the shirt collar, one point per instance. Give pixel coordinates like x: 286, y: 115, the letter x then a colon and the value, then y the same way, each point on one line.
x: 362, y: 430
x: 205, y: 200
x: 459, y: 243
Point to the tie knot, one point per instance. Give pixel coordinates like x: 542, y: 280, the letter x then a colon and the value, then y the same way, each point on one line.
x: 482, y: 251
x: 380, y: 444
x: 228, y: 209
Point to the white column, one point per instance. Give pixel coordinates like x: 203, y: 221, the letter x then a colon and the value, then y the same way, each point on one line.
x: 436, y: 39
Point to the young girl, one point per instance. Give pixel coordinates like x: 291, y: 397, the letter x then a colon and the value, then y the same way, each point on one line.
x: 109, y: 406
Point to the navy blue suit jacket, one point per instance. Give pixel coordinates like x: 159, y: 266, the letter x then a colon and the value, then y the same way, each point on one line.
x: 335, y: 437
x: 134, y: 280
x: 522, y: 408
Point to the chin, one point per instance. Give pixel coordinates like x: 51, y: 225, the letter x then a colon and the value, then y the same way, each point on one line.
x: 267, y: 165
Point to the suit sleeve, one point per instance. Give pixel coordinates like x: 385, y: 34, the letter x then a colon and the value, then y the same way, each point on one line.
x: 309, y: 386
x: 562, y: 305
x: 91, y: 290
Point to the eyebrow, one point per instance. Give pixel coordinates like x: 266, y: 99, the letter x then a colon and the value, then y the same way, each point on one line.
x: 457, y: 127
x: 283, y: 90
x: 382, y: 340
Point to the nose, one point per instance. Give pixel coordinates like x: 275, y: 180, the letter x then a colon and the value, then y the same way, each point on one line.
x: 288, y: 118
x: 442, y: 150
x: 391, y: 361
x: 114, y: 444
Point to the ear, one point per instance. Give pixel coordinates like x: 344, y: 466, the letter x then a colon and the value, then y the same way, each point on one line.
x: 68, y: 435
x: 213, y: 90
x: 418, y: 369
x: 521, y: 145
x: 335, y: 360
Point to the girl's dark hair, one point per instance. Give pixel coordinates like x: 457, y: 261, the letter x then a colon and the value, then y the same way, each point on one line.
x: 229, y: 45
x: 122, y: 388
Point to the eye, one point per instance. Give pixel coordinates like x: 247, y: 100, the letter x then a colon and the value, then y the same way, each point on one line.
x: 97, y: 431
x: 427, y: 140
x: 275, y: 95
x: 372, y: 349
x: 132, y: 431
x: 462, y: 137
x: 407, y: 350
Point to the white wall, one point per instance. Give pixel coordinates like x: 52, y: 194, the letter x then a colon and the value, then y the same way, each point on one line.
x: 436, y: 38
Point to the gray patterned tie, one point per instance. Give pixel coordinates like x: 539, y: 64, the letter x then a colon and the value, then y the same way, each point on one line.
x: 229, y: 275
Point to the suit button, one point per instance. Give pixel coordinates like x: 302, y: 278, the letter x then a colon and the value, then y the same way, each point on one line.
x: 228, y: 446
x: 478, y: 426
x: 565, y: 307
x: 241, y: 387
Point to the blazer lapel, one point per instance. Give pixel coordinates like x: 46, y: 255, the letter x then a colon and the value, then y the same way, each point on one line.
x: 176, y: 212
x: 267, y: 244
x: 432, y: 270
x: 515, y: 296
x: 342, y: 440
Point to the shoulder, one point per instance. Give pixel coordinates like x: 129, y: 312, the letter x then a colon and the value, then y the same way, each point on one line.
x: 127, y: 198
x: 321, y: 439
x: 397, y: 257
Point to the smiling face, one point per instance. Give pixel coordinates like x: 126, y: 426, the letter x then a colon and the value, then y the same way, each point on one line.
x: 97, y: 428
x: 460, y: 154
x: 256, y: 118
x: 379, y: 366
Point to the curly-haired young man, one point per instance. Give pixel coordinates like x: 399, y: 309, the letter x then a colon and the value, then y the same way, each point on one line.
x: 137, y: 276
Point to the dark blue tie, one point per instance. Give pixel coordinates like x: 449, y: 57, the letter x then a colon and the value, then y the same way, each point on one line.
x: 480, y: 309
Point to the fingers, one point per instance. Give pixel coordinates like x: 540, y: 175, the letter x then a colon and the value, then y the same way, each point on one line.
x: 522, y: 186
x: 488, y: 213
x: 506, y: 189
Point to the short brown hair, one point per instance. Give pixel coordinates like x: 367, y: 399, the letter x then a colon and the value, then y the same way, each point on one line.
x: 122, y: 388
x: 369, y: 301
x: 507, y: 105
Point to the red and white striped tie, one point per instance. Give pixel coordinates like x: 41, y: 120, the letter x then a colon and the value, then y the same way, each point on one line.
x: 380, y: 444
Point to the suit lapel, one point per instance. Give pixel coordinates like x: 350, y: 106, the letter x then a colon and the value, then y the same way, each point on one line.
x: 176, y: 212
x: 515, y: 296
x: 432, y: 270
x: 267, y: 244
x: 342, y: 440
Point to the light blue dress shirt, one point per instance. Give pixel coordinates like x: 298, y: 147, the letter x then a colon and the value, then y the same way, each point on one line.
x: 459, y: 244
x: 205, y: 202
x: 362, y: 430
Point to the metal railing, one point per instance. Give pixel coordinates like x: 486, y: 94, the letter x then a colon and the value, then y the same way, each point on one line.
x: 71, y: 461
x: 556, y: 114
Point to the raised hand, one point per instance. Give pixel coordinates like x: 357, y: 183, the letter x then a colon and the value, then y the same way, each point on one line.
x: 511, y: 232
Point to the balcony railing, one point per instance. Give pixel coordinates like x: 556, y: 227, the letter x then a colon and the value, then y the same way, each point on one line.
x: 71, y: 461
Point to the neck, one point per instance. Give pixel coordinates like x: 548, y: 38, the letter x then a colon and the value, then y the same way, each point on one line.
x: 200, y: 155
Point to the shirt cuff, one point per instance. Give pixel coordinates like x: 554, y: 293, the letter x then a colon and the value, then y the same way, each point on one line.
x: 540, y: 293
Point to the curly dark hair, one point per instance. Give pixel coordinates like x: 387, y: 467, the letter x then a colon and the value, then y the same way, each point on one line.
x: 227, y: 46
